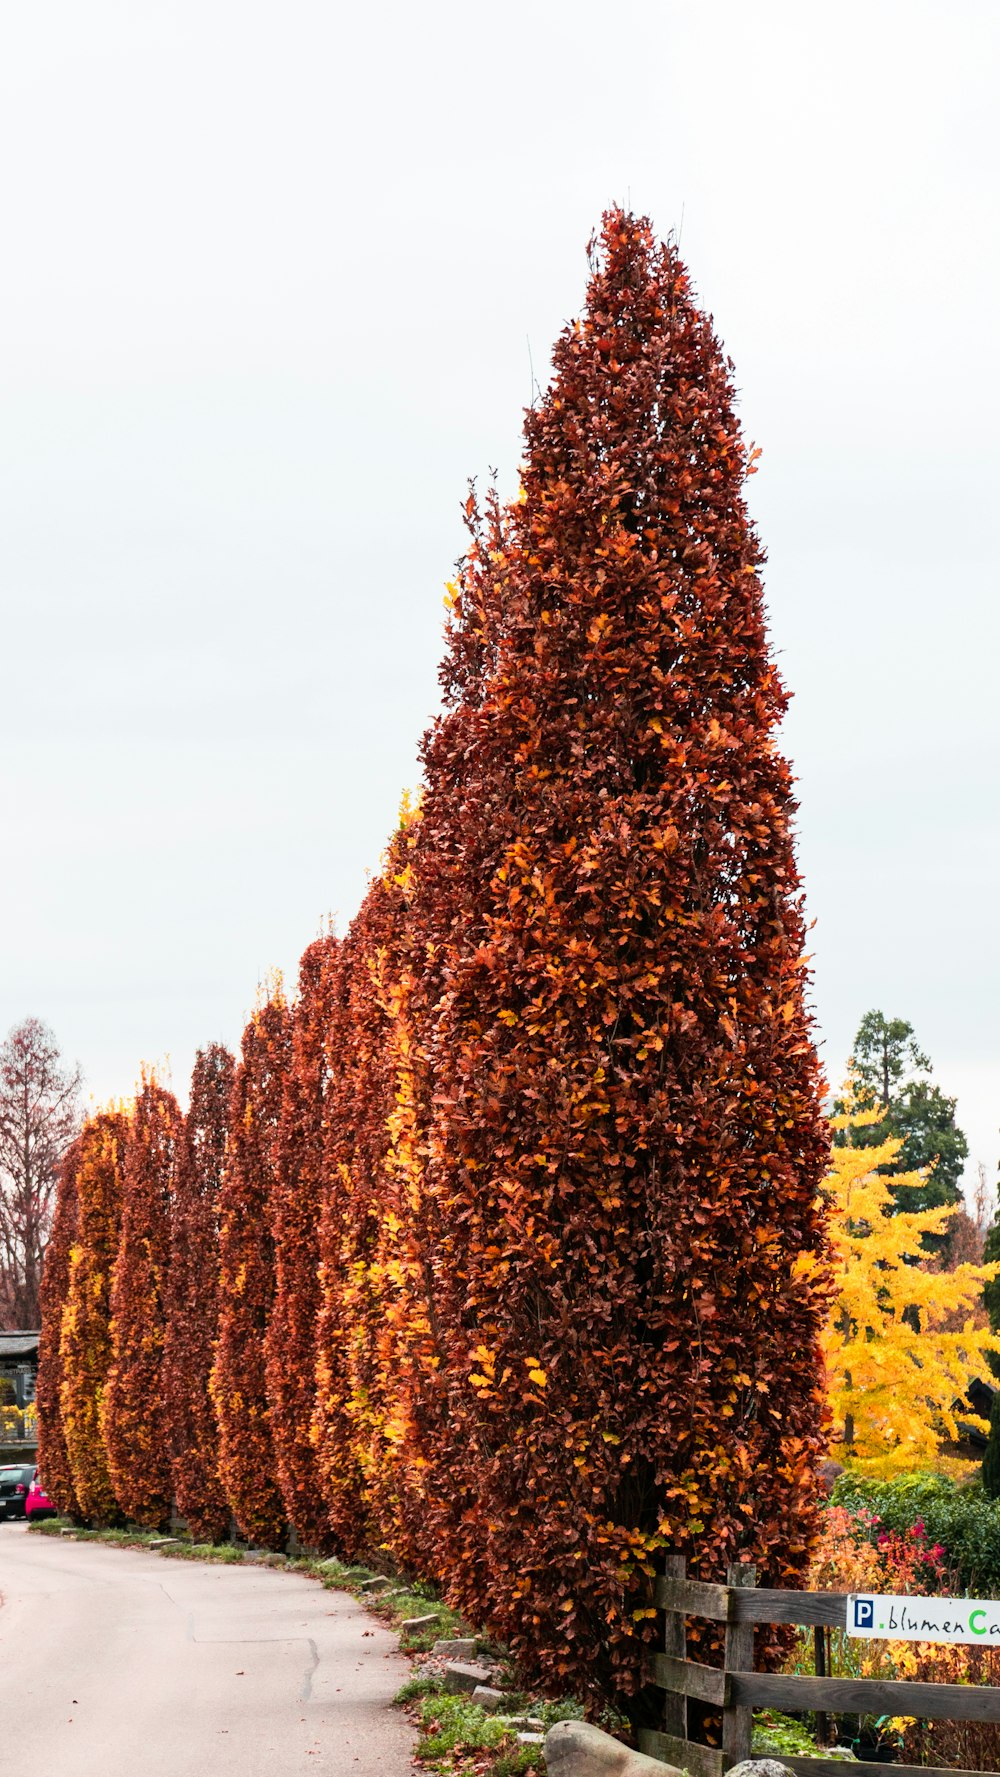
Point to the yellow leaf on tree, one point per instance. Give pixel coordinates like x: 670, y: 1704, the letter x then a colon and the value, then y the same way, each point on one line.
x: 896, y: 1364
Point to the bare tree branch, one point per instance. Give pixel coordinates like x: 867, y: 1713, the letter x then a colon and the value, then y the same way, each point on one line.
x: 39, y: 1117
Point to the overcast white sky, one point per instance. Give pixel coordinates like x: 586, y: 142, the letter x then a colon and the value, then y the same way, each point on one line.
x: 270, y: 276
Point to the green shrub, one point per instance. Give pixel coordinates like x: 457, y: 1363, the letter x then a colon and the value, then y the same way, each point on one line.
x: 420, y: 1641
x: 421, y: 1685
x: 781, y: 1736
x: 225, y: 1553
x: 962, y: 1519
x: 549, y: 1713
x: 519, y: 1762
x: 449, y: 1724
x: 334, y: 1578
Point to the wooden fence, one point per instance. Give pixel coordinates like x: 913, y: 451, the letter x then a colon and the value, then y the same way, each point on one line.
x: 736, y: 1689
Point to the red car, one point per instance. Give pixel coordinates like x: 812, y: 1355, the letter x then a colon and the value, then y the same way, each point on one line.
x: 38, y: 1504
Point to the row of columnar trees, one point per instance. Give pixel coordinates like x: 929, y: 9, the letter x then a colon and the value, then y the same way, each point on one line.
x: 487, y: 1251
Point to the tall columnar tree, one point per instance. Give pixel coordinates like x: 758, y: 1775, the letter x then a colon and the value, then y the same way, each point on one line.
x: 371, y: 1317
x: 86, y: 1326
x: 294, y: 1213
x: 625, y: 1140
x: 52, y: 1454
x: 247, y: 1455
x: 402, y: 1376
x: 193, y: 1297
x: 136, y: 1429
x: 355, y: 1144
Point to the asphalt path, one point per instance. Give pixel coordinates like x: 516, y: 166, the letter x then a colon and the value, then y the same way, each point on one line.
x: 117, y: 1663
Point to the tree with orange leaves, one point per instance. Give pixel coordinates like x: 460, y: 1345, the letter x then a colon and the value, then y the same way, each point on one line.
x: 86, y: 1322
x: 52, y: 1454
x: 136, y: 1429
x: 247, y: 1453
x: 193, y: 1298
x: 296, y: 1186
x: 624, y: 1139
x: 372, y: 1323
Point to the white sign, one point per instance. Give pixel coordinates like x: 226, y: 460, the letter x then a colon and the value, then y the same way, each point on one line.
x: 887, y: 1618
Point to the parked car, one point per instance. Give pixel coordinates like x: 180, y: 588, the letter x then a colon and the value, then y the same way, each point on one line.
x: 15, y: 1479
x: 37, y: 1503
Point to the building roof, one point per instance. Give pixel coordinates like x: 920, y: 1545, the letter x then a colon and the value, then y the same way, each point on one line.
x: 18, y: 1344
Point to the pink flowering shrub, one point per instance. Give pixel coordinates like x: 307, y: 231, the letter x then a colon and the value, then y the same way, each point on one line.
x: 856, y: 1553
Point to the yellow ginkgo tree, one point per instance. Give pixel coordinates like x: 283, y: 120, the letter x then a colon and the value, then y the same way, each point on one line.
x: 901, y: 1344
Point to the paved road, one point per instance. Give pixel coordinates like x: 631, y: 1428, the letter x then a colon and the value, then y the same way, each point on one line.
x: 116, y: 1663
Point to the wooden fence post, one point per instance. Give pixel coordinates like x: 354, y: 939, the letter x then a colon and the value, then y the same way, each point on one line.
x: 675, y: 1643
x: 737, y: 1722
x: 820, y: 1662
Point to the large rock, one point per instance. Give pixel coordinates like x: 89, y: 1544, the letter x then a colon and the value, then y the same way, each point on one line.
x: 487, y: 1698
x: 575, y: 1749
x: 460, y: 1649
x: 760, y: 1767
x: 458, y: 1676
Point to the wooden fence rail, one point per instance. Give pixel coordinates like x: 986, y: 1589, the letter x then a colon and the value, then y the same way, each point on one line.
x: 736, y: 1689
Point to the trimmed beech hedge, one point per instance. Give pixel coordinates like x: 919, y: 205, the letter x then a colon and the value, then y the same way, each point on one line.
x: 95, y: 1174
x: 193, y: 1300
x: 134, y: 1416
x: 248, y: 1466
x: 521, y: 1264
x: 53, y: 1454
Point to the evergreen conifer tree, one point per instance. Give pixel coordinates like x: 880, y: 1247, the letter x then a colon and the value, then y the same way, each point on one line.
x: 890, y: 1072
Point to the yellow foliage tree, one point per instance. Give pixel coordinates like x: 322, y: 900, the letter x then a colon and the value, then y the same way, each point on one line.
x: 898, y: 1365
